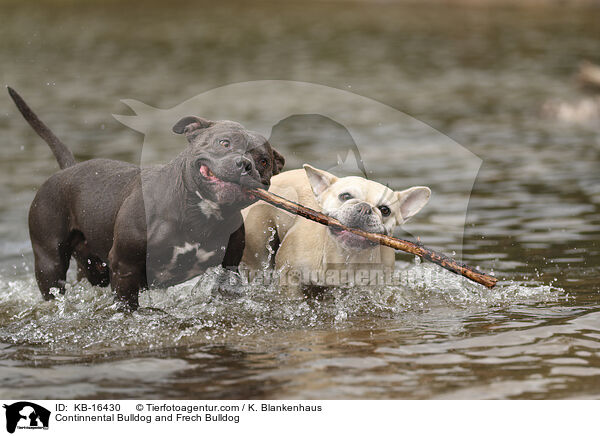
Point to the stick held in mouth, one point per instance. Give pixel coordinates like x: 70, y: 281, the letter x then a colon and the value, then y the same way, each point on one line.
x: 398, y: 244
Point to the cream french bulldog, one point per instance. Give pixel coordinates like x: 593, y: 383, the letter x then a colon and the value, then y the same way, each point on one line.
x: 308, y: 254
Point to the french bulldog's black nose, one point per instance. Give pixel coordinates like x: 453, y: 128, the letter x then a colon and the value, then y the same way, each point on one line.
x: 364, y: 209
x: 244, y: 164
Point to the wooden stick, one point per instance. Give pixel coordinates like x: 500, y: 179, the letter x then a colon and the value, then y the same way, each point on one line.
x: 398, y: 244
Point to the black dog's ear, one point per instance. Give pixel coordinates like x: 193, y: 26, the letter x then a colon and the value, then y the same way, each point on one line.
x: 279, y: 162
x: 189, y: 124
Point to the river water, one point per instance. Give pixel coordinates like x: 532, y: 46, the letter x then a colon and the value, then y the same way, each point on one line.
x: 476, y: 75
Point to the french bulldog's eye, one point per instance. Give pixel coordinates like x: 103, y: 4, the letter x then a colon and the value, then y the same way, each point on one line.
x: 264, y: 163
x: 224, y: 142
x: 344, y: 196
x: 385, y: 211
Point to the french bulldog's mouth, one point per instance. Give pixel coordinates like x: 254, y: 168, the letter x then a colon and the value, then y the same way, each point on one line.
x: 351, y: 240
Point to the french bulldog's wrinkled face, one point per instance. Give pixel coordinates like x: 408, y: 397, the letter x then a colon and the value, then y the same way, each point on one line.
x: 364, y: 204
x: 223, y: 157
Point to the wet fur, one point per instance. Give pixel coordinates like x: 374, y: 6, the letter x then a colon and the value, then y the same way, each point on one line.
x: 124, y: 224
x: 306, y: 246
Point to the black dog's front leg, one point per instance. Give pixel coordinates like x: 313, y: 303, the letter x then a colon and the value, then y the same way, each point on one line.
x: 127, y: 260
x: 227, y: 284
x: 235, y: 249
x: 126, y: 281
x: 127, y: 257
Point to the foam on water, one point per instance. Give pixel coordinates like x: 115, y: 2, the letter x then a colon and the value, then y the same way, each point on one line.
x: 86, y: 322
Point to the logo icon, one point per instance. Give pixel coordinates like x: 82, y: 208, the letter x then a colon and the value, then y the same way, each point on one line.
x: 26, y: 415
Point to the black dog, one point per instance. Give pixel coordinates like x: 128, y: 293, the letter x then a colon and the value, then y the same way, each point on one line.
x: 159, y: 226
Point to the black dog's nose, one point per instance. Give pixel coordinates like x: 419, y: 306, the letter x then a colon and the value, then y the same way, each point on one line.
x: 364, y: 209
x: 244, y: 164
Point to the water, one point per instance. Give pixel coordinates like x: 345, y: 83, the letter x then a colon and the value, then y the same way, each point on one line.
x: 479, y: 75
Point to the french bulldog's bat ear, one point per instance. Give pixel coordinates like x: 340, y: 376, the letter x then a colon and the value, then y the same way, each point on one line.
x: 319, y: 180
x: 189, y: 124
x: 278, y: 162
x: 412, y: 200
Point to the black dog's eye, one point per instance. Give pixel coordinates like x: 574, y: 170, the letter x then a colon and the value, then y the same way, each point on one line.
x: 224, y: 142
x: 344, y: 196
x: 385, y: 211
x: 264, y: 162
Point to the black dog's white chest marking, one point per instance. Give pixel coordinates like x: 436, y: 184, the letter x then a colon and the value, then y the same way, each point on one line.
x: 209, y: 208
x: 186, y: 262
x: 198, y: 253
x: 190, y: 259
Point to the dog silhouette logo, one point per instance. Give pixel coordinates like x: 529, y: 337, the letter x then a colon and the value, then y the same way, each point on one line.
x: 26, y: 415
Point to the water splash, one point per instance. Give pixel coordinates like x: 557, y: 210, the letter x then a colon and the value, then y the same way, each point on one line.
x: 85, y: 321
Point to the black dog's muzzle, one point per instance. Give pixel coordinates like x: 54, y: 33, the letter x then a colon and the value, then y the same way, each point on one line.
x: 245, y: 165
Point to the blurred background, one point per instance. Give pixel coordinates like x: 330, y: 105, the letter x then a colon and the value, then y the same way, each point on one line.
x: 513, y: 82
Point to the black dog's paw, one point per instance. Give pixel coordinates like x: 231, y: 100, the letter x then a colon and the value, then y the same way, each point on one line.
x: 151, y: 311
x: 225, y: 283
x: 125, y: 306
x: 228, y: 293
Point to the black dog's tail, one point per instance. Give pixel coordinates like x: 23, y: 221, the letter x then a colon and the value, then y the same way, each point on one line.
x: 63, y: 155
